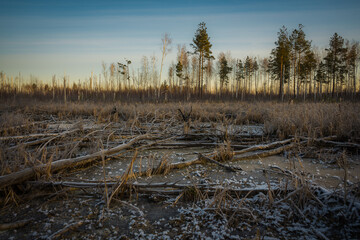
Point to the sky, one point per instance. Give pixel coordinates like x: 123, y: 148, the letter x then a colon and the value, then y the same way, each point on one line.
x: 43, y: 38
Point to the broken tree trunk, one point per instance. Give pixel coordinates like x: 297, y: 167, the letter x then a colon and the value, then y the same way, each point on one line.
x: 20, y: 176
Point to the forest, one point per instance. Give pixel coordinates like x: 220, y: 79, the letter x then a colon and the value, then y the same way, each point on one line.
x: 294, y: 70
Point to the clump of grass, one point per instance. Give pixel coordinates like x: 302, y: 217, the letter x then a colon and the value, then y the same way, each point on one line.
x: 224, y: 152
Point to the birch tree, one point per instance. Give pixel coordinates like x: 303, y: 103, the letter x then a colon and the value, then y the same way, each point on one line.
x: 166, y: 42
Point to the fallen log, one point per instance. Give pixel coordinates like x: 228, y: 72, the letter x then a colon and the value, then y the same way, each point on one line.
x: 166, y: 188
x: 234, y: 137
x: 23, y: 175
x: 268, y: 153
x: 262, y: 146
x: 101, y: 184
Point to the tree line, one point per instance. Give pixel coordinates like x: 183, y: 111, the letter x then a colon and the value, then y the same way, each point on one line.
x: 295, y: 69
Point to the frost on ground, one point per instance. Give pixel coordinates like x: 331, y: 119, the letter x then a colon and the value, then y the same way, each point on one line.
x: 267, y: 193
x: 322, y: 216
x: 308, y: 212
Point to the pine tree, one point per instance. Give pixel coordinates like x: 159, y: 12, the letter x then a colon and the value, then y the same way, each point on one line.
x: 299, y: 46
x: 224, y: 70
x: 321, y: 76
x: 352, y: 57
x: 240, y: 76
x: 248, y: 72
x: 280, y: 60
x: 335, y: 60
x: 201, y: 44
x: 255, y: 70
x: 307, y: 66
x: 179, y: 70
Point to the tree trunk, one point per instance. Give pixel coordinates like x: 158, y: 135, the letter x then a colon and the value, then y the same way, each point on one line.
x: 281, y: 80
x: 25, y: 174
x: 295, y: 76
x: 64, y: 89
x: 199, y: 82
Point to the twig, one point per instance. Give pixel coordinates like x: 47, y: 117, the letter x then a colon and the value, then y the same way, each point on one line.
x: 141, y: 213
x: 65, y: 229
x: 290, y: 195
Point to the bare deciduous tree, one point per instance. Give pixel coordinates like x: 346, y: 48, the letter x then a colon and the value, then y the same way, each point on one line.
x: 166, y: 42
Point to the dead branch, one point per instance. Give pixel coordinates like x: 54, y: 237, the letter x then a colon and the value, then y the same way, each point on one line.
x: 199, y: 144
x: 185, y: 116
x: 337, y: 144
x: 290, y: 195
x: 226, y: 167
x: 25, y: 125
x: 47, y: 139
x: 13, y: 225
x: 28, y: 136
x: 23, y: 175
x: 236, y: 137
x: 65, y: 230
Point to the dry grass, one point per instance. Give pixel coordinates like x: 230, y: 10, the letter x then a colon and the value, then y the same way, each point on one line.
x: 224, y: 152
x: 315, y: 120
x: 282, y: 119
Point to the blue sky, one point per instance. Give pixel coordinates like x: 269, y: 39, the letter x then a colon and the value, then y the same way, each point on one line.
x: 52, y: 37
